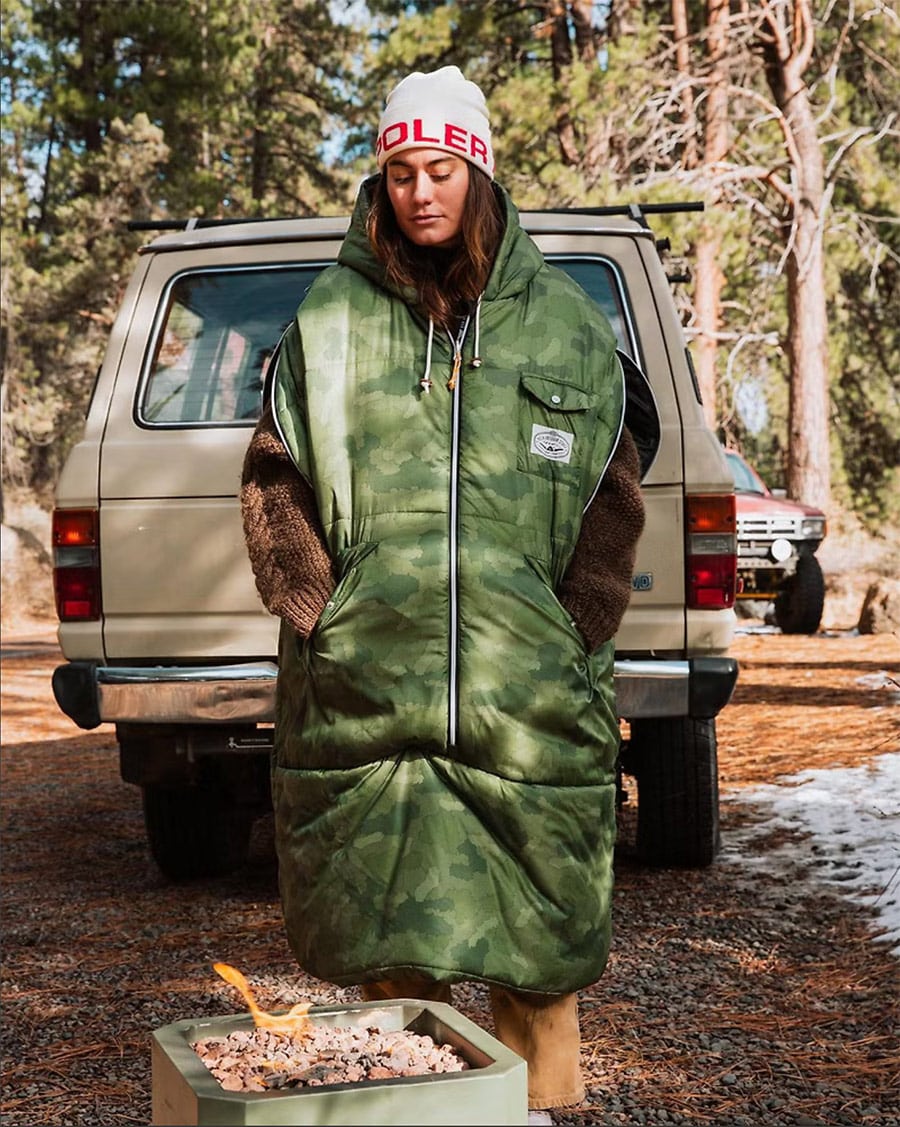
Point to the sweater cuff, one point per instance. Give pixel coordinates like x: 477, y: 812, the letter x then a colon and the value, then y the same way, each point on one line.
x: 303, y: 608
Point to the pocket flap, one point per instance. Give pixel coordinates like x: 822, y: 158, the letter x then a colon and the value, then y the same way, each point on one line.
x: 558, y: 396
x: 350, y: 557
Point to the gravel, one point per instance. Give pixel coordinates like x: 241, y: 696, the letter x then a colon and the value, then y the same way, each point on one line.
x: 256, y: 1060
x: 735, y: 995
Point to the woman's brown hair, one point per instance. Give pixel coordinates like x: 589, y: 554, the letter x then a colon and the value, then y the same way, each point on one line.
x: 447, y: 283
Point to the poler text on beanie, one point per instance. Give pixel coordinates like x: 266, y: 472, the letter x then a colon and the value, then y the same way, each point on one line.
x: 440, y: 110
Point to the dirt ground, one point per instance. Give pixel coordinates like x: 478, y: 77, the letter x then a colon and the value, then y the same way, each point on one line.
x: 730, y: 998
x: 798, y: 702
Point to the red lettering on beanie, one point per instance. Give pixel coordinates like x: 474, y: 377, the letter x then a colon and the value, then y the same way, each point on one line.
x: 386, y: 143
x: 478, y: 148
x: 418, y: 135
x: 455, y: 137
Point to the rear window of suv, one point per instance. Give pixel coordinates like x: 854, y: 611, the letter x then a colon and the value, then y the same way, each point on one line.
x: 216, y: 330
x: 214, y: 336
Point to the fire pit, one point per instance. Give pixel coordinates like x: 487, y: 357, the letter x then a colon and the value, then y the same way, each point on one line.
x: 492, y: 1090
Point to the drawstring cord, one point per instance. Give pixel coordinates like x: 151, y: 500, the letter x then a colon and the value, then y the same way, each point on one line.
x: 456, y: 343
x: 425, y: 381
x: 476, y: 358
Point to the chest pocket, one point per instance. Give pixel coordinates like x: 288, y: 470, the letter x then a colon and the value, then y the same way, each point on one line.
x: 556, y: 424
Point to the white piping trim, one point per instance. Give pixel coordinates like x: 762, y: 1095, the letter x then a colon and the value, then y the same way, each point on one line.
x: 649, y: 386
x: 614, y: 445
x: 275, y: 419
x: 457, y: 345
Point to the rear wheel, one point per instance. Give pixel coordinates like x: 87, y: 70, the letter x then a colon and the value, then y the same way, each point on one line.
x: 675, y: 762
x: 798, y: 608
x: 195, y: 832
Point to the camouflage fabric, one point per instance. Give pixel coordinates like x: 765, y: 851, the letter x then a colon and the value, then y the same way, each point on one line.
x: 445, y: 744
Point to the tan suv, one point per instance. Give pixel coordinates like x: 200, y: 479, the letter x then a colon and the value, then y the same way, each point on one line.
x: 162, y: 629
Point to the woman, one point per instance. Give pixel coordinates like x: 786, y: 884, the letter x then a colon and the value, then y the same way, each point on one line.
x: 442, y: 505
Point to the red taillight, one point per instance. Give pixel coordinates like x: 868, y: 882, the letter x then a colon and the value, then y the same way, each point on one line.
x: 711, y: 564
x: 75, y: 528
x: 76, y: 564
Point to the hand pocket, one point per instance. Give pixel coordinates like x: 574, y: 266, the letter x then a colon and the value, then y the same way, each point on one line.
x: 346, y: 568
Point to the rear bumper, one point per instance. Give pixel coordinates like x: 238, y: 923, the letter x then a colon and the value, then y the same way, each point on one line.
x: 93, y: 694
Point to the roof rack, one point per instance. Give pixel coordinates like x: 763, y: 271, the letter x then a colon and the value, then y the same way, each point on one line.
x: 634, y: 211
x: 193, y: 223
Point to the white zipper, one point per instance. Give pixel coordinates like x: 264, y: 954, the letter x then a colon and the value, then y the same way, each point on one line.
x: 455, y: 386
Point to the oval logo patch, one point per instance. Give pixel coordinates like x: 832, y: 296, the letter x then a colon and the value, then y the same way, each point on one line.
x: 547, y: 442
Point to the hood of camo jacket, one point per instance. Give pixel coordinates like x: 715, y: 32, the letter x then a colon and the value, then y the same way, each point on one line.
x: 444, y: 772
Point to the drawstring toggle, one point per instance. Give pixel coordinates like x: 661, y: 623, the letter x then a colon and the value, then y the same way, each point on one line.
x: 454, y: 376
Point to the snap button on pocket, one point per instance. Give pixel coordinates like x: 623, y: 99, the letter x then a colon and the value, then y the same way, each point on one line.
x: 555, y: 399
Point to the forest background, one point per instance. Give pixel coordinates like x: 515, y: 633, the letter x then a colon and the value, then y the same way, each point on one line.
x: 779, y: 115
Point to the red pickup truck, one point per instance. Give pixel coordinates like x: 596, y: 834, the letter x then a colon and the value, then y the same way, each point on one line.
x: 777, y: 541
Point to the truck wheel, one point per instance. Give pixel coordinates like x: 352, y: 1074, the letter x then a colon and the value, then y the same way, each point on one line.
x: 799, y: 606
x: 675, y: 762
x: 195, y: 832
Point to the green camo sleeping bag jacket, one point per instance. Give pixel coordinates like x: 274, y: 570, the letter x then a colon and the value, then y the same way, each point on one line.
x: 444, y: 776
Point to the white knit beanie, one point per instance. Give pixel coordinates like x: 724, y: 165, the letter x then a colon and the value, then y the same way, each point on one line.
x: 440, y: 110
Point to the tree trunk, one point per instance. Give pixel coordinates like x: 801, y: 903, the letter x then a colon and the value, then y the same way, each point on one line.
x: 707, y: 311
x: 561, y: 49
x: 204, y: 72
x: 261, y: 150
x: 683, y: 69
x: 710, y: 279
x: 91, y: 49
x: 787, y: 52
x: 809, y: 464
x: 582, y: 16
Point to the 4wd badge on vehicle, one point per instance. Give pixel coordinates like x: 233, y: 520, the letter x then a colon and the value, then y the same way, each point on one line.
x: 550, y: 443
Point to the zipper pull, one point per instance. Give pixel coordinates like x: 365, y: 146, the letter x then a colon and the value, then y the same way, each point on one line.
x: 457, y: 361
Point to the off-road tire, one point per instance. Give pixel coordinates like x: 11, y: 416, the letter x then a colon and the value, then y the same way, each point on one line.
x: 195, y: 832
x: 799, y: 606
x: 675, y: 762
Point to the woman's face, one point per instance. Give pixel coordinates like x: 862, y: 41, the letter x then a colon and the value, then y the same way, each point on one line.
x: 427, y: 188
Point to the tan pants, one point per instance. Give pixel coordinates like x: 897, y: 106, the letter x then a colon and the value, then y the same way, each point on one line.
x: 542, y: 1028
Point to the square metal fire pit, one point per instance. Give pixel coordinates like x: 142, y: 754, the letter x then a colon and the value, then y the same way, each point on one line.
x: 493, y: 1090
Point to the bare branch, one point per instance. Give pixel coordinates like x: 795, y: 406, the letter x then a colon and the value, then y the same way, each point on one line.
x: 804, y: 34
x: 100, y: 318
x: 880, y: 59
x: 773, y: 111
x: 830, y: 75
x: 857, y: 135
x: 777, y: 34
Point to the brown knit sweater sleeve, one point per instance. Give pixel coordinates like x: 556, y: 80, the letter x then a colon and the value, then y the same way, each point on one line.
x: 597, y: 586
x: 283, y: 532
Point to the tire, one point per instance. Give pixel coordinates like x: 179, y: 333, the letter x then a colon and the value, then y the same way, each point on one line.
x: 675, y: 762
x: 195, y: 832
x: 799, y: 606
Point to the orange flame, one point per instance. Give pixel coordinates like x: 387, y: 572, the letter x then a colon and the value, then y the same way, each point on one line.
x: 294, y: 1023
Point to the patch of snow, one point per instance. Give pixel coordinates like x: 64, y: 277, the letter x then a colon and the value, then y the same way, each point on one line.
x: 845, y: 832
x: 883, y: 681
